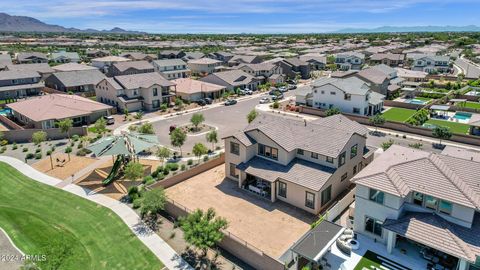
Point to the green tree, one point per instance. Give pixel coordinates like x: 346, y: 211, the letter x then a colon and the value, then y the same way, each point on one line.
x: 152, y: 202
x: 163, y: 153
x: 377, y: 120
x: 134, y: 170
x: 197, y: 119
x: 178, y: 138
x: 146, y: 128
x: 198, y: 150
x: 203, y: 229
x: 442, y: 133
x: 252, y: 115
x: 212, y: 137
x: 65, y: 125
x: 39, y: 136
x: 100, y: 126
x: 333, y: 111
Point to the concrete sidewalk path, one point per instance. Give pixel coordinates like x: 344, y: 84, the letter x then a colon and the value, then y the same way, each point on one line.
x: 157, y: 245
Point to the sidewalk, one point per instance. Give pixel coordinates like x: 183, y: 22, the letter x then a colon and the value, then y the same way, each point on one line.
x: 157, y: 245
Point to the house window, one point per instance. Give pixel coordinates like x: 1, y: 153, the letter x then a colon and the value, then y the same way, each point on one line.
x: 267, y: 151
x: 333, y: 93
x: 300, y: 152
x: 233, y: 170
x: 431, y: 202
x: 356, y: 110
x: 355, y: 169
x: 347, y: 97
x: 155, y: 92
x: 373, y: 225
x: 418, y: 198
x: 330, y: 160
x: 323, y: 92
x: 282, y: 189
x: 344, y: 177
x: 234, y: 148
x: 445, y: 207
x: 353, y: 151
x: 326, y: 195
x: 309, y: 200
x: 376, y: 196
x: 341, y: 159
x: 314, y: 155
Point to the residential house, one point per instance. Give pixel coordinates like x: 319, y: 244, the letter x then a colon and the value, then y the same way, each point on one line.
x: 350, y: 60
x: 145, y: 91
x: 139, y: 56
x: 316, y: 62
x: 298, y: 67
x: 203, y: 66
x: 224, y: 57
x: 423, y: 202
x: 194, y: 90
x: 431, y: 63
x: 233, y: 79
x: 65, y: 57
x: 72, y: 67
x: 130, y: 67
x: 389, y: 59
x: 263, y: 71
x: 104, y: 63
x: 31, y: 58
x: 377, y: 79
x: 171, y: 54
x: 411, y: 75
x: 94, y: 53
x: 75, y: 81
x: 282, y: 158
x: 351, y: 95
x: 42, y: 68
x: 290, y: 70
x: 172, y: 68
x: 43, y: 112
x: 244, y: 59
x: 16, y: 84
x: 192, y: 55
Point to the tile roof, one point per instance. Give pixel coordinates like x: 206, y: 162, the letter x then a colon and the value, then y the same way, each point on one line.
x: 385, y: 69
x: 72, y: 67
x: 38, y: 67
x: 401, y: 170
x: 22, y: 74
x: 190, y: 86
x: 27, y: 55
x: 258, y: 67
x: 390, y: 56
x: 234, y: 77
x: 461, y: 153
x: 373, y: 75
x: 169, y: 62
x: 351, y: 85
x: 434, y: 231
x: 5, y: 60
x: 204, y: 61
x: 111, y: 58
x: 56, y: 106
x: 143, y: 80
x: 79, y: 77
x: 301, y: 172
x: 138, y: 65
x: 71, y: 55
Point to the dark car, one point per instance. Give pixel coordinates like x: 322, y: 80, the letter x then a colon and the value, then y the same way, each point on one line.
x: 230, y: 102
x: 277, y: 97
x: 292, y: 86
x: 201, y: 102
x: 208, y: 100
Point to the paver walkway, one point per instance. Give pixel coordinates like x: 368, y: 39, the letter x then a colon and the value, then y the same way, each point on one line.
x: 156, y: 244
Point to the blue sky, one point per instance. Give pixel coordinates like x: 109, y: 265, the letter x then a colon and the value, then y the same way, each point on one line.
x: 245, y: 16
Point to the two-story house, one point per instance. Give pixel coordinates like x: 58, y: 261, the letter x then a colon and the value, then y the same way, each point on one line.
x: 233, y: 79
x: 350, y: 60
x: 139, y: 56
x: 104, y: 63
x: 171, y: 54
x: 244, y: 59
x: 130, y: 67
x: 389, y: 59
x: 264, y: 71
x: 377, y: 79
x: 31, y: 58
x: 203, y: 66
x: 305, y: 164
x: 223, y: 57
x: 431, y: 63
x: 145, y: 91
x: 172, y: 68
x: 15, y: 84
x: 75, y: 80
x: 349, y: 95
x: 410, y: 199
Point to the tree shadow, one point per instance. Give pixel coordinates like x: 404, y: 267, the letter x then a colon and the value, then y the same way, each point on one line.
x: 377, y: 133
x: 201, y: 261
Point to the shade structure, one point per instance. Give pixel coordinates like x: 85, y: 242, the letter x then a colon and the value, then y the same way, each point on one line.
x: 124, y: 144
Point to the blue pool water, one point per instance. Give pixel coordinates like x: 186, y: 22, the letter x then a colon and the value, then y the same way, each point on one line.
x: 5, y: 111
x: 417, y: 101
x: 462, y: 116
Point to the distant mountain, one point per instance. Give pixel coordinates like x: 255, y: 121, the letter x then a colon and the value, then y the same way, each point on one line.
x: 405, y: 29
x: 10, y: 23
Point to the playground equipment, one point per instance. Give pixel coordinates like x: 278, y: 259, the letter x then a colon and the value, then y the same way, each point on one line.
x: 116, y: 166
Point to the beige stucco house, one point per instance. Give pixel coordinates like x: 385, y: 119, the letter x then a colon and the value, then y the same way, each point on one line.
x: 306, y: 164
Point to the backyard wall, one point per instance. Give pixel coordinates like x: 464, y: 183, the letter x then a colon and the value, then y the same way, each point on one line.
x: 25, y: 135
x: 9, y: 123
x: 391, y: 103
x: 337, y: 209
x: 468, y: 139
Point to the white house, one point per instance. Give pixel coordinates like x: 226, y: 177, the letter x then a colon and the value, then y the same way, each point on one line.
x: 431, y: 63
x: 350, y: 60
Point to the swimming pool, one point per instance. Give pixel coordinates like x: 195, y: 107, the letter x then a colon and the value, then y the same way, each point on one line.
x: 415, y: 101
x: 5, y: 111
x: 462, y: 116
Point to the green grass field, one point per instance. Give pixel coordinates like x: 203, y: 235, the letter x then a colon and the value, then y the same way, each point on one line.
x: 472, y: 105
x: 398, y: 114
x: 453, y: 126
x: 369, y: 259
x: 44, y: 220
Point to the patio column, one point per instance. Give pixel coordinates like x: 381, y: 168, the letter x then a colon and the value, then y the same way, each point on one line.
x: 391, y: 239
x: 273, y: 191
x: 462, y: 264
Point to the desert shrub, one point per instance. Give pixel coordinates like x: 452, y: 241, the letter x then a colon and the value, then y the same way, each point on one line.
x: 38, y: 155
x: 29, y: 156
x: 189, y: 162
x: 25, y: 149
x: 68, y: 150
x: 183, y: 167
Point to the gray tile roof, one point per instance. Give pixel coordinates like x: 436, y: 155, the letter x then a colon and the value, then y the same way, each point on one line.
x: 14, y: 74
x: 401, y: 170
x: 385, y: 69
x: 144, y: 80
x: 390, y: 56
x: 72, y: 67
x: 431, y: 230
x: 373, y: 75
x: 301, y: 172
x: 79, y: 77
x: 193, y: 55
x: 138, y: 65
x: 27, y: 55
x: 169, y: 62
x: 234, y: 77
x: 243, y: 58
x: 351, y: 85
x: 294, y: 61
x: 70, y: 55
x: 41, y: 68
x: 258, y: 67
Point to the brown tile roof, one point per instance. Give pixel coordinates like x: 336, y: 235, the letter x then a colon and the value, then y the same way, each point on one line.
x: 190, y: 86
x: 138, y: 65
x: 56, y: 106
x: 401, y: 170
x: 373, y: 75
x: 144, y: 80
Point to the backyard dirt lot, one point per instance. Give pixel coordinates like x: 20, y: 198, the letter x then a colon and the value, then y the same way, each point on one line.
x: 271, y: 227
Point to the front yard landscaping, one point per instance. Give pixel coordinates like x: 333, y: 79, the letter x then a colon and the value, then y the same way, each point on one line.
x: 453, y: 126
x: 398, y: 114
x: 72, y: 232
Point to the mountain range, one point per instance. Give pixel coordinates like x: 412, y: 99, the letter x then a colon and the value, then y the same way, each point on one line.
x: 406, y: 29
x: 9, y: 23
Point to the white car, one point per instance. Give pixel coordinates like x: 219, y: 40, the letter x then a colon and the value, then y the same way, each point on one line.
x: 109, y: 119
x: 264, y: 100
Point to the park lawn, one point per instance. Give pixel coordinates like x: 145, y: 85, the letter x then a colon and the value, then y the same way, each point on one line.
x: 472, y: 105
x: 453, y: 126
x: 398, y: 114
x: 42, y: 219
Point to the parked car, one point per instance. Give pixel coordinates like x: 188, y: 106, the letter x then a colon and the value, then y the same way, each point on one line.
x: 283, y: 89
x: 109, y: 120
x: 230, y: 102
x: 264, y: 100
x: 245, y: 92
x: 201, y: 102
x: 208, y: 100
x: 277, y: 97
x: 292, y: 86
